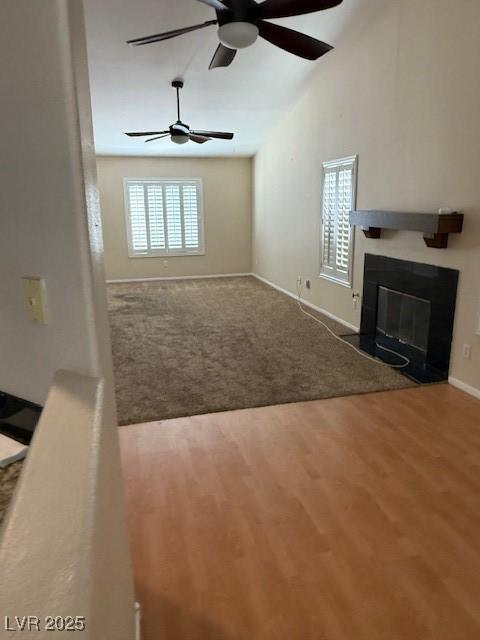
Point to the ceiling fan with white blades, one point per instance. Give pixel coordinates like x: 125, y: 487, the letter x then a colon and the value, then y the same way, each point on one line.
x: 180, y: 133
x: 240, y: 23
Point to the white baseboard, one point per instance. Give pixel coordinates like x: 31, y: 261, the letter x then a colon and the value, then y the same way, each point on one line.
x: 472, y: 391
x: 308, y: 304
x: 199, y: 277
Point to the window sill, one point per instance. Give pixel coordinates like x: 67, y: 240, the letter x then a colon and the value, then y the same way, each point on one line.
x: 344, y: 283
x: 176, y: 254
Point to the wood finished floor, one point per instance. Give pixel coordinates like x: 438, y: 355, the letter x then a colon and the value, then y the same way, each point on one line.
x: 347, y: 519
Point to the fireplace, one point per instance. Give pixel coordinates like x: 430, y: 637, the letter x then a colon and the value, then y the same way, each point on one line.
x: 403, y: 322
x: 409, y: 309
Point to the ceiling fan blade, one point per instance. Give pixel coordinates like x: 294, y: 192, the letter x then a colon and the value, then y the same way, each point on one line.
x: 222, y: 57
x: 215, y: 4
x: 159, y: 37
x: 139, y: 134
x: 198, y: 139
x: 157, y: 138
x: 288, y: 8
x: 293, y: 41
x: 214, y: 134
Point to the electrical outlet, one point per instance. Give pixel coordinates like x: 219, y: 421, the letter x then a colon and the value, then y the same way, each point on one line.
x: 165, y: 264
x: 467, y: 351
x: 34, y: 294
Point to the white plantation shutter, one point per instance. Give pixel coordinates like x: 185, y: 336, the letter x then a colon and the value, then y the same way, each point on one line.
x: 329, y: 215
x: 174, y: 216
x: 190, y: 216
x: 164, y: 217
x: 138, y: 221
x: 156, y: 223
x: 339, y: 180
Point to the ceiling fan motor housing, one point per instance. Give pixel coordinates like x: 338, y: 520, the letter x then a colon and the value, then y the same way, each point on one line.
x: 180, y: 133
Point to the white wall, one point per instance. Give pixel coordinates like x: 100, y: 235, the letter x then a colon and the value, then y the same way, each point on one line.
x: 64, y: 546
x: 403, y: 93
x: 42, y: 227
x: 227, y: 191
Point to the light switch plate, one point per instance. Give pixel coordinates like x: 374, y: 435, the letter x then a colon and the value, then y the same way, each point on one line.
x: 34, y: 295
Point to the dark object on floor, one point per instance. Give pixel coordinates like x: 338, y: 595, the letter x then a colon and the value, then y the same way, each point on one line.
x: 190, y: 347
x: 18, y: 418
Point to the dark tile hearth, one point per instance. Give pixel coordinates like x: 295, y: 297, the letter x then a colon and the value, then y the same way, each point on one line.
x: 413, y: 372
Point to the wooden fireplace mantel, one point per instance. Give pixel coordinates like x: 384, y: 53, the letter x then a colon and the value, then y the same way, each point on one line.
x: 435, y: 226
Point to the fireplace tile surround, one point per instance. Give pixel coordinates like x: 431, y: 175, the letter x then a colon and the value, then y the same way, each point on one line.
x: 429, y: 284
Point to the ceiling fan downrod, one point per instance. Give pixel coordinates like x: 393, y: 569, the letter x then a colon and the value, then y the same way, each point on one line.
x: 178, y: 84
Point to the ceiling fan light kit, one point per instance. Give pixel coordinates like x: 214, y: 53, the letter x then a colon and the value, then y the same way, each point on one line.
x: 180, y: 138
x: 238, y: 35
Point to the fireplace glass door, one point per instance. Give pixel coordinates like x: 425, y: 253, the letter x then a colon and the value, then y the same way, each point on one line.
x: 403, y: 318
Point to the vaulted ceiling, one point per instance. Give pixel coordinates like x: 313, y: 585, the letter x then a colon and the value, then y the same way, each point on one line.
x: 131, y: 85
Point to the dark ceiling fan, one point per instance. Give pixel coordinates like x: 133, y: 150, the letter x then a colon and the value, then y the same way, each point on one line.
x: 242, y: 21
x: 180, y: 133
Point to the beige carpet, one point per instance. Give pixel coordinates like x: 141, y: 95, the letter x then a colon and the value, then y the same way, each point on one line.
x: 189, y: 347
x: 8, y: 481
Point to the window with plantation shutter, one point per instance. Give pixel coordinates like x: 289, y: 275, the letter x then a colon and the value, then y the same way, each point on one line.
x: 339, y: 193
x: 164, y: 217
